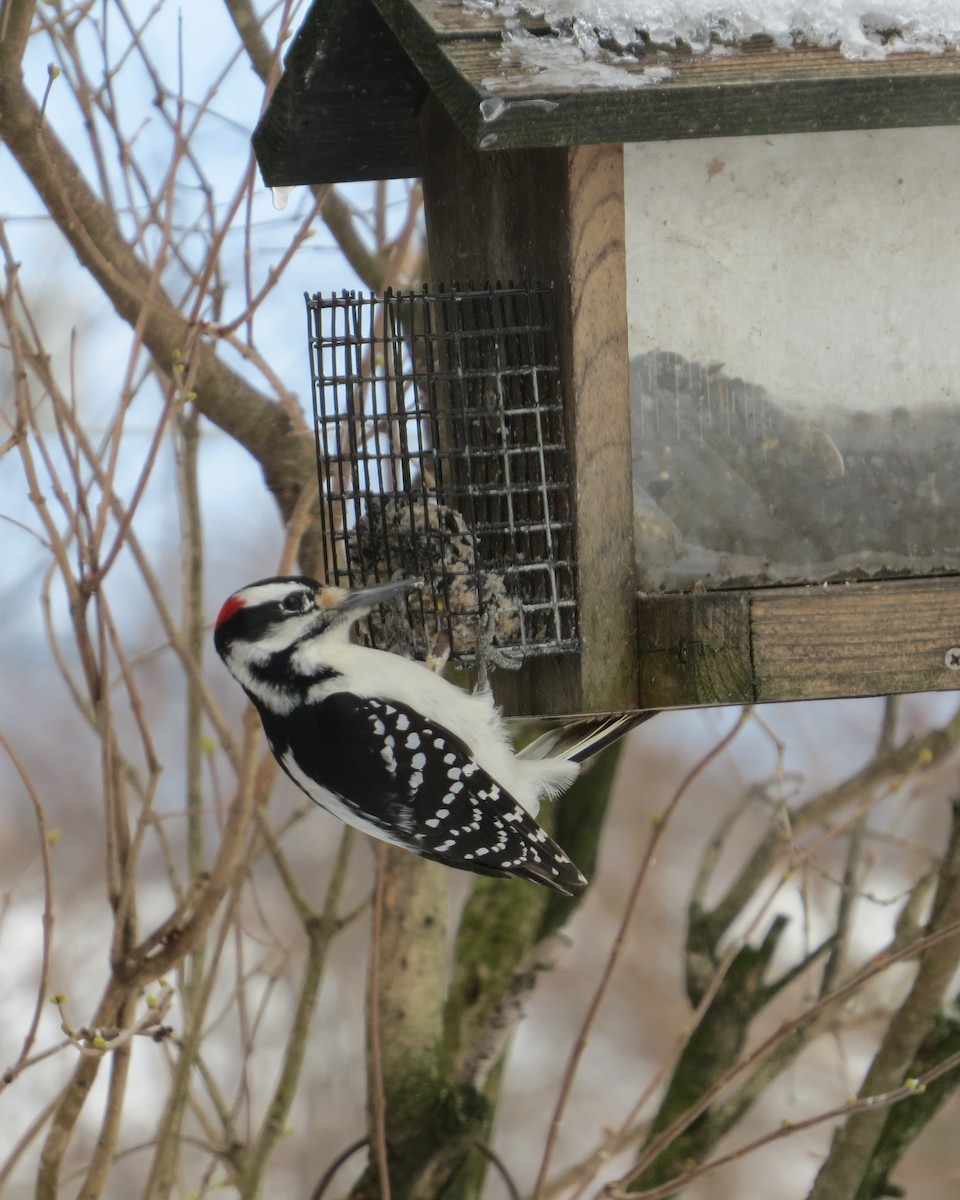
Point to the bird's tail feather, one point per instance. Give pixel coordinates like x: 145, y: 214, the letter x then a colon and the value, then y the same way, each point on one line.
x: 582, y: 739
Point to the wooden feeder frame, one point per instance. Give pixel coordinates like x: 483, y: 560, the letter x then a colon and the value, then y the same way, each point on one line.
x: 537, y: 193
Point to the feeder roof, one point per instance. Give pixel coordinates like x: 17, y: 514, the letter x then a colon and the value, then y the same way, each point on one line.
x: 358, y: 72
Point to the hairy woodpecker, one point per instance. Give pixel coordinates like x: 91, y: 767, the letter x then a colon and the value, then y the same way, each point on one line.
x: 391, y: 747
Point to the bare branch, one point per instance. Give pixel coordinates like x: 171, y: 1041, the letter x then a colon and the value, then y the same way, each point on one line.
x: 46, y: 920
x: 16, y: 18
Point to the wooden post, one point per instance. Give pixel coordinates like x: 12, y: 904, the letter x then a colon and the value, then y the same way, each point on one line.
x: 556, y: 216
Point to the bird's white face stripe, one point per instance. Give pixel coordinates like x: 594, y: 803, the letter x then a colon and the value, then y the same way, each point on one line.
x: 288, y: 632
x: 269, y: 593
x: 279, y: 700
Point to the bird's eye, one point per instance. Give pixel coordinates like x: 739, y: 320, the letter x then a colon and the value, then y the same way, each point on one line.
x: 296, y: 602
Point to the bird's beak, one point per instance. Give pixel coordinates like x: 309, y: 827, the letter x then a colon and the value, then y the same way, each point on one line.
x: 357, y: 602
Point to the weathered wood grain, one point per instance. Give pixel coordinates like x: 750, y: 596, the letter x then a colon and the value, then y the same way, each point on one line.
x: 346, y: 105
x: 592, y: 234
x: 451, y: 19
x: 862, y: 639
x: 758, y: 90
x: 799, y: 643
x: 358, y: 70
x: 694, y: 650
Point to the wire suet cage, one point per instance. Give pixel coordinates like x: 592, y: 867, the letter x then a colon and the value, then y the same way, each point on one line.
x: 442, y: 456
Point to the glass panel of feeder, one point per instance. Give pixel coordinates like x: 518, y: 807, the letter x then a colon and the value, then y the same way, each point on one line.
x: 794, y: 306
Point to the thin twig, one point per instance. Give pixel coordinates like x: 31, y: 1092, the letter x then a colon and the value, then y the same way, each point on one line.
x: 47, y: 918
x: 327, y: 1177
x: 509, y: 1182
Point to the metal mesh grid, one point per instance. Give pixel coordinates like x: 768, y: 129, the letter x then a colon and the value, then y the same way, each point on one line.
x: 441, y: 456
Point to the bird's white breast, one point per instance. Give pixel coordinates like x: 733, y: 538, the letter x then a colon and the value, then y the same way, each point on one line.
x: 470, y: 716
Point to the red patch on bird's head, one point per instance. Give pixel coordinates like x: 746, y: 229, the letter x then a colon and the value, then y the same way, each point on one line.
x: 229, y: 608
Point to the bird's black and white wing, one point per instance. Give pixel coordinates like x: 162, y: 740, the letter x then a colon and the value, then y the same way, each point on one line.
x: 382, y: 767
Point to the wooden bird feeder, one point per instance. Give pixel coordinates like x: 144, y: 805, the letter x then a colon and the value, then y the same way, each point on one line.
x: 754, y: 343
